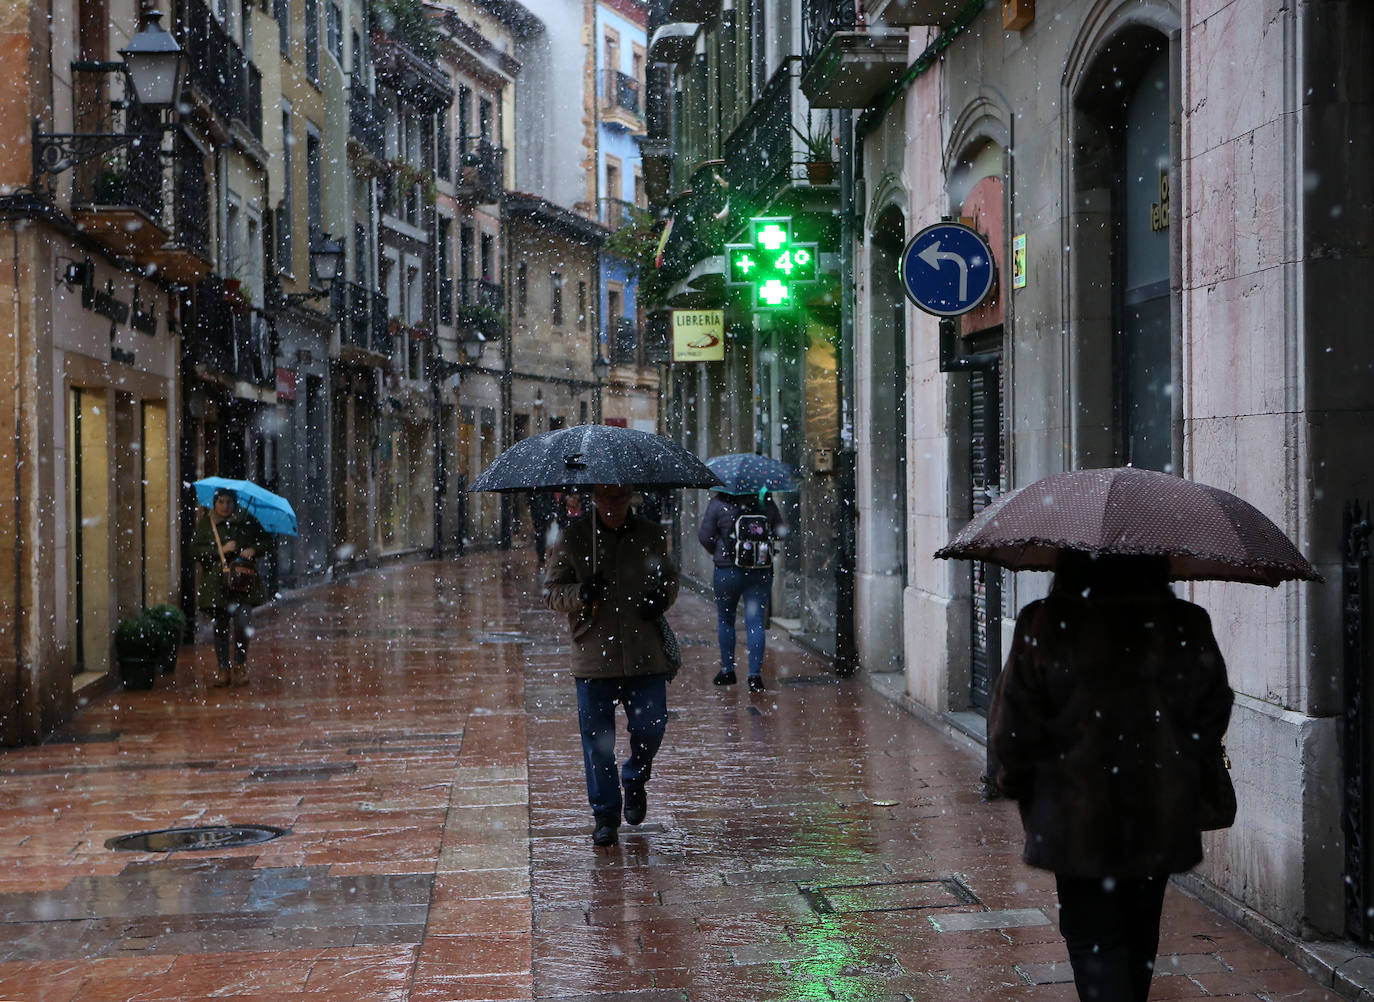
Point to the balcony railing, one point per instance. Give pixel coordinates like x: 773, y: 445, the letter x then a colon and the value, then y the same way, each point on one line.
x: 621, y: 92
x: 616, y: 213
x: 480, y: 292
x: 210, y: 339
x: 129, y: 177
x: 381, y: 324
x: 481, y: 168
x: 254, y: 359
x: 362, y: 317
x: 192, y: 199
x: 218, y: 67
x: 820, y: 20
x: 481, y: 305
x: 254, y: 101
x: 624, y: 339
x: 761, y: 155
x: 413, y: 75
x: 367, y: 121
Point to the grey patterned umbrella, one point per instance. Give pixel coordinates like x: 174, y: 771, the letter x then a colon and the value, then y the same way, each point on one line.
x: 590, y: 454
x: 1207, y: 533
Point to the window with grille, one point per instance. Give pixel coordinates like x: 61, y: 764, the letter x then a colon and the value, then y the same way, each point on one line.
x: 281, y: 10
x: 312, y: 40
x: 334, y: 33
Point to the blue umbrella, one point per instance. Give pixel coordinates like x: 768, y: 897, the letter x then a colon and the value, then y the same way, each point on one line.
x: 746, y: 473
x: 272, y: 510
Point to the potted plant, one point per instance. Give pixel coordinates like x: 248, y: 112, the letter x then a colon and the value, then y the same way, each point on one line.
x: 110, y: 187
x: 139, y: 645
x: 173, y: 624
x: 819, y: 150
x: 485, y: 317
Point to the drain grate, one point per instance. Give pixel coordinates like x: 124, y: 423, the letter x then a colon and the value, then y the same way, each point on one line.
x: 193, y: 839
x: 501, y: 637
x: 811, y: 680
x: 312, y: 770
x: 889, y: 896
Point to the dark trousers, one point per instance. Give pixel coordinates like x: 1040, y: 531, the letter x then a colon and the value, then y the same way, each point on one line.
x: 755, y: 586
x: 231, y: 630
x: 1111, y: 928
x: 645, y: 698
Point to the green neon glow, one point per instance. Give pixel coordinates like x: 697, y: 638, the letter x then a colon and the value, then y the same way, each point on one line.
x: 774, y: 292
x: 772, y: 236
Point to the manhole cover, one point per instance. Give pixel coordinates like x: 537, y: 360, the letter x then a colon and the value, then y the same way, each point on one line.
x: 190, y: 839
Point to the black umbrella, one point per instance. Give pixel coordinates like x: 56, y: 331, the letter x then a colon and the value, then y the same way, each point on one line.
x: 1205, y: 532
x: 590, y: 454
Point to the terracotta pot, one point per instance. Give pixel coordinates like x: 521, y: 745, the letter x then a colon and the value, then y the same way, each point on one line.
x: 820, y: 171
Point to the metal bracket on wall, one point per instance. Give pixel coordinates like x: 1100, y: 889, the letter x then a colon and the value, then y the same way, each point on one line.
x: 952, y: 358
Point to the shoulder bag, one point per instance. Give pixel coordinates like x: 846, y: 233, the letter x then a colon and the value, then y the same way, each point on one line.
x: 1216, y: 794
x: 242, y: 574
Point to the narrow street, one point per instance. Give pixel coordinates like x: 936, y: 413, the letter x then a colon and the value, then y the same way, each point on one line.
x: 413, y: 729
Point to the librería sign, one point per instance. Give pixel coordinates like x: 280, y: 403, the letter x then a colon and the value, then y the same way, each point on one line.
x: 698, y: 335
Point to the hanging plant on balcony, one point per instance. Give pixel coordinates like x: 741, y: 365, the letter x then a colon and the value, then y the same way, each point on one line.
x: 818, y: 146
x: 407, y: 22
x: 485, y: 317
x: 637, y: 242
x: 110, y: 187
x: 408, y: 175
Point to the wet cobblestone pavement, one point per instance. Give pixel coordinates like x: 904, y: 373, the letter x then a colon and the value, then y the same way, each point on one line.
x: 414, y: 731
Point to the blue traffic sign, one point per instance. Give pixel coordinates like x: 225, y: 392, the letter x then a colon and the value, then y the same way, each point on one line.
x: 947, y: 269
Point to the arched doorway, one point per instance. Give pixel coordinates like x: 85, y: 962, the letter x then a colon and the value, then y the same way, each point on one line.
x: 1126, y: 314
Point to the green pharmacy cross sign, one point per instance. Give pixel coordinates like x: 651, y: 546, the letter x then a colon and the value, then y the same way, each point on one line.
x: 771, y: 264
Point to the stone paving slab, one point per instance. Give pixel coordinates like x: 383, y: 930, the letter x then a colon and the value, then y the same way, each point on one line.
x: 414, y: 729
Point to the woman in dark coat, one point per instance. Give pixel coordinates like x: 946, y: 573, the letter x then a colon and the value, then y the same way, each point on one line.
x: 1113, y: 695
x: 240, y: 535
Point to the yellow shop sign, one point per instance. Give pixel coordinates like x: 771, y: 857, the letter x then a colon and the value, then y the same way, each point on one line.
x: 698, y: 335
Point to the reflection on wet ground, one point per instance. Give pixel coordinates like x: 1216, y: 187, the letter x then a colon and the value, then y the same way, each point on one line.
x: 413, y: 731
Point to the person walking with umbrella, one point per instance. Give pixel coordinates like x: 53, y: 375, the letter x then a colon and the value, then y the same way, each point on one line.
x: 1108, y: 717
x: 614, y: 578
x: 612, y: 575
x: 743, y: 571
x: 226, y: 543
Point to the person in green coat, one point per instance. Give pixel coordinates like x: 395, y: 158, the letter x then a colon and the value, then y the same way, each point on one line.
x: 241, y: 536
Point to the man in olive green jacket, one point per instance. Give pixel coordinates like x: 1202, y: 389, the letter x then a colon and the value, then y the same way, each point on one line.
x: 614, y: 578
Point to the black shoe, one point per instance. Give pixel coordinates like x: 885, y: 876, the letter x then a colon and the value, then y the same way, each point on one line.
x: 606, y: 833
x: 724, y: 677
x: 756, y: 683
x: 636, y: 805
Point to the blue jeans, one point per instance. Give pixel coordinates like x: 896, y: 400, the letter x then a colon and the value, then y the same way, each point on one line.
x: 754, y: 585
x: 645, y: 698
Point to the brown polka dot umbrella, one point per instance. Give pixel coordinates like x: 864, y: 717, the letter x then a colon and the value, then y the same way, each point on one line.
x: 1207, y: 533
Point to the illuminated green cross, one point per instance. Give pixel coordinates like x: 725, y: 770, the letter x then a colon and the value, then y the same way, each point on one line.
x: 771, y: 263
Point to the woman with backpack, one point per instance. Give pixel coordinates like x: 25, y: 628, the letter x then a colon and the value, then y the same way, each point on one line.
x: 739, y: 531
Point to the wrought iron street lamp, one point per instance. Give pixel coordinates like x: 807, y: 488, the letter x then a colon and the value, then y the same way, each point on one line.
x: 154, y: 65
x: 601, y: 368
x: 326, y: 267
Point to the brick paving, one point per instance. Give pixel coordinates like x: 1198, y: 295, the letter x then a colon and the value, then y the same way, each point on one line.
x: 413, y: 729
